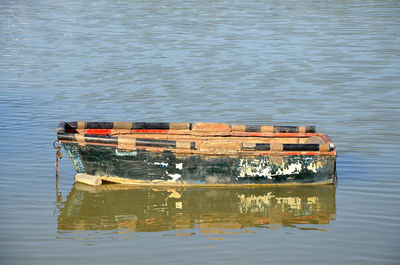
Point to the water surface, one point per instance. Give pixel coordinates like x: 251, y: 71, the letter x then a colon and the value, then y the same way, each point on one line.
x: 333, y: 64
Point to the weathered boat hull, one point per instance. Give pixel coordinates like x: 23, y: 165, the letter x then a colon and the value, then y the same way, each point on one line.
x: 199, y: 154
x: 145, y: 167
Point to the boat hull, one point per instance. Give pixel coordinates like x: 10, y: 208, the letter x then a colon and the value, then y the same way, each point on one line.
x: 144, y: 167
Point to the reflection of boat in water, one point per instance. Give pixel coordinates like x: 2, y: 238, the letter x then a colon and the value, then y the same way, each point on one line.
x: 115, y: 206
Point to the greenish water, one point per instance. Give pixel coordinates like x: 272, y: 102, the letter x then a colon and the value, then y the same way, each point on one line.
x: 333, y: 64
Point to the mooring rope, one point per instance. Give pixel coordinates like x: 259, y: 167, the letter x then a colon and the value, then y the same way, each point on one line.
x: 57, y: 145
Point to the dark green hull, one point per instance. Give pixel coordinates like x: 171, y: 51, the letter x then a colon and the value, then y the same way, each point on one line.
x: 142, y: 166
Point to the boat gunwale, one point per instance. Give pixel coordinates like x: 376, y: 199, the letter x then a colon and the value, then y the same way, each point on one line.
x: 64, y: 136
x: 193, y: 152
x: 164, y: 126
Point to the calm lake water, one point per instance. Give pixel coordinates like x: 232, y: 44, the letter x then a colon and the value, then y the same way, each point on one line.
x: 334, y: 64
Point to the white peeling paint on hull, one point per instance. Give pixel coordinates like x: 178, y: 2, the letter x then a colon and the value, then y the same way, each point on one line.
x: 263, y: 168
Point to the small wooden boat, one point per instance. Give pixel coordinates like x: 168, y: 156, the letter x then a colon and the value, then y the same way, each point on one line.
x: 199, y: 154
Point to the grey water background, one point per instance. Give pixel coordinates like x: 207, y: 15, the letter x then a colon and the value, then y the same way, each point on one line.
x: 334, y: 64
